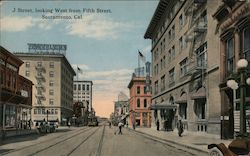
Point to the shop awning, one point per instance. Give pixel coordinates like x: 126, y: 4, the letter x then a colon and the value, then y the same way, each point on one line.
x: 182, y: 99
x: 163, y: 105
x: 199, y: 94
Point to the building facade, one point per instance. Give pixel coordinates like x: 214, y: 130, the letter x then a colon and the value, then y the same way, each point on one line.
x: 83, y: 93
x: 139, y: 102
x: 233, y: 19
x: 52, y: 75
x: 185, y: 65
x: 15, y: 97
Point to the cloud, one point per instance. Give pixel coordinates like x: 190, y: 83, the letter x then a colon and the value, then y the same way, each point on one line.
x: 81, y: 66
x: 97, y: 27
x: 15, y: 24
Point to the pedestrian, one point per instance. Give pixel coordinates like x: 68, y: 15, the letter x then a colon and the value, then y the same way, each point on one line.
x: 165, y: 125
x: 109, y: 124
x: 180, y: 127
x: 69, y: 124
x: 120, y: 127
x: 157, y: 125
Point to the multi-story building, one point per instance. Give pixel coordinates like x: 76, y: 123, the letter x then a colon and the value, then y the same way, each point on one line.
x: 48, y: 68
x: 139, y: 102
x: 83, y: 93
x: 15, y: 97
x: 185, y: 64
x: 234, y: 30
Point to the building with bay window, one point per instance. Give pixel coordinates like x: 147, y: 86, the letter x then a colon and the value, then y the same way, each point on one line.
x: 15, y: 97
x: 185, y: 65
x: 233, y: 22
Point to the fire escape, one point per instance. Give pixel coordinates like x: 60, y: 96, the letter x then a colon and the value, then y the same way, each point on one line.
x: 197, y: 29
x: 196, y: 14
x: 39, y: 86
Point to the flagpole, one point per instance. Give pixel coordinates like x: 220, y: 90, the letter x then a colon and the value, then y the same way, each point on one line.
x: 139, y: 65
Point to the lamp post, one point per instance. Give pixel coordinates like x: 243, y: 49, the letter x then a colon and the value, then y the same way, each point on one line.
x: 241, y: 64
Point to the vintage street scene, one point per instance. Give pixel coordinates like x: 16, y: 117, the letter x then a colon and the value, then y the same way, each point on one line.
x: 125, y: 78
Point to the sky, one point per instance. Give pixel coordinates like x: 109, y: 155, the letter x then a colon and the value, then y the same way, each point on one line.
x: 104, y: 45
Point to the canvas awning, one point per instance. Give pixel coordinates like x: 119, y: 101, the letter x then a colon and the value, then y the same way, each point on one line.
x: 182, y: 99
x: 163, y: 105
x: 199, y: 94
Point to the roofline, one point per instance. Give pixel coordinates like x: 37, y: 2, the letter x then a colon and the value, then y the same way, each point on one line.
x: 83, y: 81
x: 18, y: 60
x: 28, y: 54
x: 132, y: 81
x: 162, y: 6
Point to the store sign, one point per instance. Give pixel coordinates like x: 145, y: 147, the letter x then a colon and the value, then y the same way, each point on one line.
x: 47, y: 47
x: 24, y: 93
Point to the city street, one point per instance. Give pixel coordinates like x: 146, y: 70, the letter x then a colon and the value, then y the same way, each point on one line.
x: 98, y: 141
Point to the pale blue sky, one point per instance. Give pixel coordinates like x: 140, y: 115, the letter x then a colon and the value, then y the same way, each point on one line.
x: 104, y: 45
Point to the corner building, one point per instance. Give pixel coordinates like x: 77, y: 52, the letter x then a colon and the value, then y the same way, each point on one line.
x: 233, y: 21
x: 52, y: 76
x: 185, y: 65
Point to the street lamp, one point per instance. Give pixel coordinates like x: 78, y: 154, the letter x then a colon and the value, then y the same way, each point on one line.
x: 241, y: 64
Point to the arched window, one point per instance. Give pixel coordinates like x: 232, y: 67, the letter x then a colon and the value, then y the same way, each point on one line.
x: 171, y: 100
x: 138, y: 103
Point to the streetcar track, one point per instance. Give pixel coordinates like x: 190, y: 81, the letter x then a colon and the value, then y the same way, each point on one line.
x: 99, y: 150
x: 43, y: 149
x: 25, y: 147
x: 82, y: 142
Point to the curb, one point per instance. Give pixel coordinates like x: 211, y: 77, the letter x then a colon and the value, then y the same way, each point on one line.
x: 170, y: 141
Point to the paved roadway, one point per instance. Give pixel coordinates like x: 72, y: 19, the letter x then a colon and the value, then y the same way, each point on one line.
x: 92, y: 141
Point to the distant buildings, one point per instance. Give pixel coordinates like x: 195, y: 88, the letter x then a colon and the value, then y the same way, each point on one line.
x: 48, y: 68
x: 15, y: 95
x: 185, y: 62
x: 83, y: 93
x: 121, y: 109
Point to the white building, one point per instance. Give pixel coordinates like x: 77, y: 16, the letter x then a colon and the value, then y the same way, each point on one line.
x: 83, y: 92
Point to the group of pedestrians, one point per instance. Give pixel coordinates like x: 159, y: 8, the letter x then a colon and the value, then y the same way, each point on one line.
x: 180, y: 126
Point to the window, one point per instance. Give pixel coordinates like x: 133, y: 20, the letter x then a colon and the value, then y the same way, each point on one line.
x: 161, y: 64
x: 183, y: 110
x: 27, y: 73
x: 173, y: 53
x: 138, y: 90
x: 200, y: 107
x: 39, y: 111
x: 56, y: 111
x: 145, y: 103
x: 51, y: 101
x: 171, y: 76
x: 169, y: 55
x: 183, y: 65
x: 87, y: 87
x: 51, y: 64
x: 164, y: 61
x: 35, y: 111
x: 79, y: 86
x: 51, y: 83
x: 27, y: 64
x: 163, y: 83
x: 173, y: 32
x: 181, y: 44
x: 51, y: 92
x: 181, y: 20
x: 230, y: 55
x: 202, y: 56
x: 51, y: 74
x: 145, y: 90
x: 246, y: 45
x: 52, y: 111
x: 39, y: 102
x: 156, y: 87
x: 83, y: 87
x: 138, y: 103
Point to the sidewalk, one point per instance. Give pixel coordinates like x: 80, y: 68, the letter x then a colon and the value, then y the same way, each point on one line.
x: 194, y: 140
